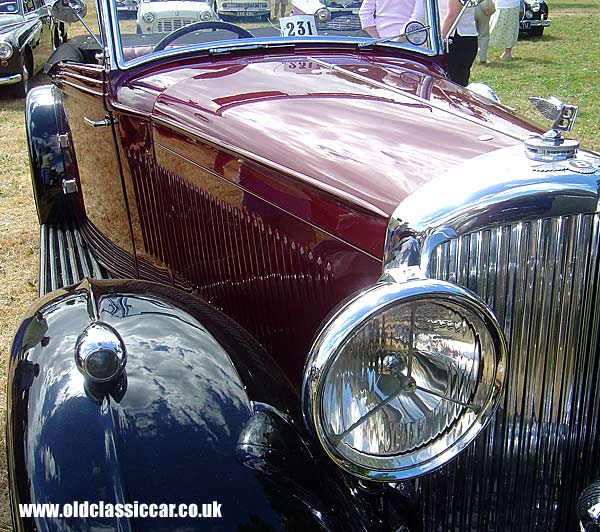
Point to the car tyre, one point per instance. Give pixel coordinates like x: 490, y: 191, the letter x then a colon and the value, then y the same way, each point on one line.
x: 536, y: 32
x: 21, y: 89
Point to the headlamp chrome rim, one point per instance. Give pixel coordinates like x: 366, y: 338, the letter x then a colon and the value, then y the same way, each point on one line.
x: 347, y: 319
x: 323, y: 14
x: 6, y: 50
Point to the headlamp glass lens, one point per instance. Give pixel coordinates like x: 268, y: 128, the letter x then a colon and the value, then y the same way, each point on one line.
x: 405, y: 378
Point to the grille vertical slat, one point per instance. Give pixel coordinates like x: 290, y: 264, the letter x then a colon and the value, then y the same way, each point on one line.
x: 526, y: 471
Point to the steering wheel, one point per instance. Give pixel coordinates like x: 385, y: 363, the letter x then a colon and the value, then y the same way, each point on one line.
x: 214, y: 24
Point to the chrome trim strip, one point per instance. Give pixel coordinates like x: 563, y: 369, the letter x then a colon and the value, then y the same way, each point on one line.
x: 10, y: 80
x: 81, y: 77
x: 82, y: 88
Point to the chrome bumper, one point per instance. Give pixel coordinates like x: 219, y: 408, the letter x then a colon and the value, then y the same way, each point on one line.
x: 534, y: 23
x: 252, y: 12
x: 10, y: 80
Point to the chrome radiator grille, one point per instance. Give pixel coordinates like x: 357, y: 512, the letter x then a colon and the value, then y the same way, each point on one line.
x: 525, y: 471
x: 341, y: 21
x: 169, y: 25
x: 246, y: 5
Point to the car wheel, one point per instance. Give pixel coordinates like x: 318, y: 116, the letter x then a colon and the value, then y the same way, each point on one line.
x: 536, y: 32
x: 21, y: 89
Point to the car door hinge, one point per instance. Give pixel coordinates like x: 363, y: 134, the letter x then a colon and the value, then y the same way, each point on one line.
x: 69, y: 186
x: 63, y: 140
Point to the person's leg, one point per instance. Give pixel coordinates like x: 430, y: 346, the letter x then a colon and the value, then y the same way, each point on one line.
x: 511, y: 32
x: 483, y: 29
x: 461, y: 54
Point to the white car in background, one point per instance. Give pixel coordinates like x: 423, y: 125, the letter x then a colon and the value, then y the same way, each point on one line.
x: 243, y: 8
x: 330, y: 14
x: 159, y: 16
x: 127, y: 6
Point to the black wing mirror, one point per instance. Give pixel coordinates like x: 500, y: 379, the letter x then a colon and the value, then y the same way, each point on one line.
x: 69, y: 10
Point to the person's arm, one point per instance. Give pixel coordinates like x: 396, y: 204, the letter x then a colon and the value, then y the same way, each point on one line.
x: 372, y: 31
x: 454, y: 7
x: 367, y: 18
x: 418, y: 12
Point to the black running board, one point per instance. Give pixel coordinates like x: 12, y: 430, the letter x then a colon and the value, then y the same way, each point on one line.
x: 65, y: 258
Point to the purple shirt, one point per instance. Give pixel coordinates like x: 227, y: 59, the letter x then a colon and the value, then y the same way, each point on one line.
x: 390, y: 16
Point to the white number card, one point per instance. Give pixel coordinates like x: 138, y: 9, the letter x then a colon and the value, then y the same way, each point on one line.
x: 298, y: 26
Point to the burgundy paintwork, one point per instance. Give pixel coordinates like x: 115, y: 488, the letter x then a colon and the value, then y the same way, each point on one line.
x: 265, y: 183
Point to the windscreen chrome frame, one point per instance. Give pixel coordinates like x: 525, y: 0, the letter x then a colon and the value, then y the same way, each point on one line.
x: 109, y: 24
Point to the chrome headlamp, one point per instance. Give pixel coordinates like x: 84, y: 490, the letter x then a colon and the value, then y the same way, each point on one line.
x: 6, y: 50
x: 403, y: 377
x: 323, y: 14
x: 148, y: 17
x: 535, y: 7
x: 205, y: 15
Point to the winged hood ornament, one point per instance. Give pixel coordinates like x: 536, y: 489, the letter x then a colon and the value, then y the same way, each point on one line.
x: 551, y: 146
x: 562, y: 114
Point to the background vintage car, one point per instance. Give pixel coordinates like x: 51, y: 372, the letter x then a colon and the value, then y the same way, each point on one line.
x: 330, y: 14
x: 28, y: 35
x: 534, y: 17
x: 407, y: 80
x: 243, y: 8
x: 127, y: 6
x: 165, y: 16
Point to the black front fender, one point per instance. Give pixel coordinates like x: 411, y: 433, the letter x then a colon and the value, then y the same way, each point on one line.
x: 49, y: 161
x: 201, y: 414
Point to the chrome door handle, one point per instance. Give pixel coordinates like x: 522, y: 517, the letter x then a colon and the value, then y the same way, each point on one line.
x: 107, y: 121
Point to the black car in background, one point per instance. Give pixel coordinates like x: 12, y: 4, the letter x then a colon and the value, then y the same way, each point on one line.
x: 28, y: 35
x: 533, y: 17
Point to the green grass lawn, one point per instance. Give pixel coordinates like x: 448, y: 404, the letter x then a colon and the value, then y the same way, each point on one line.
x: 565, y: 62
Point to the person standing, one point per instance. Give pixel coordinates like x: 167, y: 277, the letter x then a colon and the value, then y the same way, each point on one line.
x: 280, y: 7
x: 483, y: 14
x: 505, y: 27
x: 387, y: 18
x: 463, y: 40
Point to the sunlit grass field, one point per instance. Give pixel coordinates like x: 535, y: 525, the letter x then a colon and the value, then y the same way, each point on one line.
x: 565, y: 62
